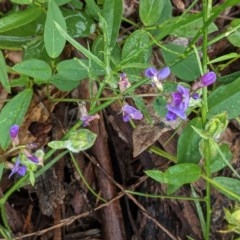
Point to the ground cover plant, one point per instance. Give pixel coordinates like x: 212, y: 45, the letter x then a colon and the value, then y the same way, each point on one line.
x: 119, y: 119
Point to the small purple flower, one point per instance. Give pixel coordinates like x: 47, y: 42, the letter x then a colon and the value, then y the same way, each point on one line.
x: 179, y: 104
x: 157, y: 76
x: 208, y: 79
x: 19, y: 169
x: 123, y: 82
x: 205, y: 80
x: 87, y: 119
x: 130, y: 112
x: 14, y: 131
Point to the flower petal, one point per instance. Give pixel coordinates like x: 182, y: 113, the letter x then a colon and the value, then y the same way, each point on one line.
x: 208, y: 78
x: 179, y: 112
x: 14, y: 131
x: 163, y: 73
x: 151, y: 72
x: 130, y: 112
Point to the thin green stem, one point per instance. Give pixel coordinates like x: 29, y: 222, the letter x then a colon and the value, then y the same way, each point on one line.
x: 84, y: 180
x: 162, y: 153
x: 207, y: 9
x: 165, y: 197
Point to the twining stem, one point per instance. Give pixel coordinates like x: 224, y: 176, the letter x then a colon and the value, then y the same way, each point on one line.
x: 207, y: 8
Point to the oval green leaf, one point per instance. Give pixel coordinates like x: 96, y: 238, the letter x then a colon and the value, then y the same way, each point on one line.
x: 150, y: 11
x: 34, y: 68
x: 112, y: 13
x: 13, y: 113
x: 54, y: 41
x: 177, y: 175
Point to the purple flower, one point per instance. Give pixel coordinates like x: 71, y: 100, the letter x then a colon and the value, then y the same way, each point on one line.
x: 208, y: 79
x: 14, y: 131
x: 130, y: 112
x: 19, y: 169
x: 179, y: 104
x: 157, y: 76
x: 123, y: 82
x: 205, y: 80
x: 87, y: 119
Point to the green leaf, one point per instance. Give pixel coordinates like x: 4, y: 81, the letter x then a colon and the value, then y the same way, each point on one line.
x: 18, y: 19
x: 235, y: 36
x: 112, y: 13
x: 62, y: 83
x: 190, y: 29
x: 230, y: 187
x: 177, y: 175
x: 54, y: 41
x: 34, y: 68
x: 136, y: 49
x: 77, y: 141
x: 3, y: 73
x: 187, y: 69
x: 78, y: 23
x: 150, y: 11
x: 75, y: 69
x: 225, y: 98
x: 189, y: 153
x: 218, y: 163
x: 13, y: 113
x: 92, y: 8
x: 224, y: 57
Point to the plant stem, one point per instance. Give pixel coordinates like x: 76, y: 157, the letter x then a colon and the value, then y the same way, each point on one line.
x: 207, y: 8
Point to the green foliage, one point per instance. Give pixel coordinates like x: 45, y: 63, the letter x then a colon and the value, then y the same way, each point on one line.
x: 77, y: 141
x: 189, y: 153
x: 95, y: 34
x: 230, y: 187
x: 187, y: 69
x: 112, y: 13
x: 34, y: 68
x: 177, y: 175
x: 136, y: 49
x: 225, y: 98
x: 13, y: 113
x: 54, y: 41
x: 150, y: 11
x: 3, y: 73
x: 18, y: 19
